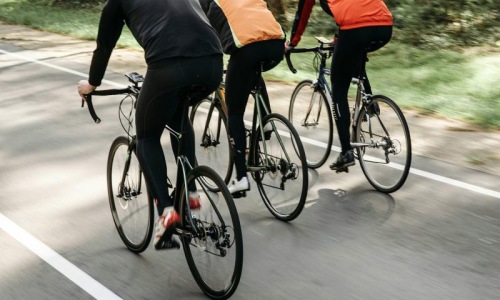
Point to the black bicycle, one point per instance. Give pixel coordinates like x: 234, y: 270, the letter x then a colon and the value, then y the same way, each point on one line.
x: 276, y: 158
x: 380, y: 133
x: 211, y: 236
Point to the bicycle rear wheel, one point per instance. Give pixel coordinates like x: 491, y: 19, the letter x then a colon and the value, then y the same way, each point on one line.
x: 283, y: 178
x: 214, y: 245
x: 131, y: 205
x: 211, y: 138
x: 386, y: 157
x: 311, y: 116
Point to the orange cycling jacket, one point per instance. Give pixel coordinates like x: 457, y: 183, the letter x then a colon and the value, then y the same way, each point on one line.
x: 242, y: 22
x: 348, y: 14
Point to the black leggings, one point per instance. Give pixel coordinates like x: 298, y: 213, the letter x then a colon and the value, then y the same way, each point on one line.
x: 240, y: 80
x: 158, y: 105
x: 346, y: 63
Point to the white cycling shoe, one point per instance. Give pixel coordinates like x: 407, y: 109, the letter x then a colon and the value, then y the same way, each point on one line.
x: 238, y: 188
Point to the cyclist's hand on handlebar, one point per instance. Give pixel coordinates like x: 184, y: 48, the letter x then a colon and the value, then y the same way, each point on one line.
x: 288, y: 46
x: 84, y: 88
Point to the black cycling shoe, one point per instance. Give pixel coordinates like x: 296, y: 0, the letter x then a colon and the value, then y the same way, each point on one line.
x: 343, y: 161
x: 167, y: 244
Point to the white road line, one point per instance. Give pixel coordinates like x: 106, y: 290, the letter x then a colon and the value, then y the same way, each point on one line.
x: 57, y: 67
x: 428, y: 175
x: 425, y: 174
x: 80, y: 278
x: 457, y: 183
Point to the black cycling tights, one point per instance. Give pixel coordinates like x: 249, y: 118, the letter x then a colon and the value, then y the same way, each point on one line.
x: 240, y: 80
x: 159, y: 105
x: 346, y: 63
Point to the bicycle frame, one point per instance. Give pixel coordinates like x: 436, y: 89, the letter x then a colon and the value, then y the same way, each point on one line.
x: 368, y: 131
x: 257, y: 118
x: 362, y: 98
x: 183, y: 169
x: 219, y: 97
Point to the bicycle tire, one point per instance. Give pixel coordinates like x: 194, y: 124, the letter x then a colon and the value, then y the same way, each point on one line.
x: 209, y: 146
x: 310, y: 114
x: 221, y: 240
x: 283, y: 169
x: 386, y: 166
x: 131, y: 206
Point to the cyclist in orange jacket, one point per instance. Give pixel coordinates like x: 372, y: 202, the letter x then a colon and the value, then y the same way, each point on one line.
x: 250, y: 34
x: 360, y: 23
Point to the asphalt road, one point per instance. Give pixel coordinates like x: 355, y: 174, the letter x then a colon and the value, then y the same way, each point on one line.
x: 436, y: 238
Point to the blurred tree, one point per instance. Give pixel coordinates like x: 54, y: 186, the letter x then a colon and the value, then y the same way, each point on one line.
x: 278, y: 9
x: 447, y: 22
x: 441, y: 23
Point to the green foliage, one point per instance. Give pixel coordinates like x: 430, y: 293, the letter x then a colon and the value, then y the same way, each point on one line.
x: 447, y: 23
x: 319, y: 23
x: 80, y: 23
x: 71, y: 4
x: 435, y: 82
x: 428, y: 23
x: 442, y: 82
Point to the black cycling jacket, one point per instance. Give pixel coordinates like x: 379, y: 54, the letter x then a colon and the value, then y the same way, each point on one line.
x: 219, y: 22
x: 164, y: 28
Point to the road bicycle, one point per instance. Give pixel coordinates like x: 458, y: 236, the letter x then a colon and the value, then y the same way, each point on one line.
x: 379, y: 134
x: 276, y: 158
x: 211, y: 236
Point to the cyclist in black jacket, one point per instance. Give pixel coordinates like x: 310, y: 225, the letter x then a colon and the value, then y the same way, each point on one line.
x: 181, y: 49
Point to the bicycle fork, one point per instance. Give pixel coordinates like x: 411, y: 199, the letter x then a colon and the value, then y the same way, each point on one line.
x: 127, y: 192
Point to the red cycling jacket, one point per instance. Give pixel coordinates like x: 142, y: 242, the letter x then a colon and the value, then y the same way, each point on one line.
x: 348, y: 14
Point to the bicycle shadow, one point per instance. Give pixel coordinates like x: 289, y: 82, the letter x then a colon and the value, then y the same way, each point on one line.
x: 349, y: 214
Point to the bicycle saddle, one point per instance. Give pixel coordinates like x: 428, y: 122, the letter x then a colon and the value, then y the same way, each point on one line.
x: 268, y: 65
x: 375, y: 45
x: 195, y: 93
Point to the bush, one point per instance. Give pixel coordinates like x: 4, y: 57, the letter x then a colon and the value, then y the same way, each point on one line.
x: 88, y: 4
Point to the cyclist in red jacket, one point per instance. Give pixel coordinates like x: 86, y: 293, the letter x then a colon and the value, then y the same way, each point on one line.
x: 360, y: 23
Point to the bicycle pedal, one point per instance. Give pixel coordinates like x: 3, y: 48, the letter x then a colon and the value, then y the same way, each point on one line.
x: 167, y: 244
x: 346, y: 169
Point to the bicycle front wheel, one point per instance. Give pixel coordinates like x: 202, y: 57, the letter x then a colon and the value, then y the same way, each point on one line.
x: 214, y: 244
x: 212, y: 145
x: 311, y: 116
x: 385, y: 151
x: 280, y: 164
x: 131, y: 205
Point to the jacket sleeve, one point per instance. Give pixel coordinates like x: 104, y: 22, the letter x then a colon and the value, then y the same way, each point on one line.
x: 205, y: 5
x: 110, y: 29
x: 302, y: 15
x: 219, y: 22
